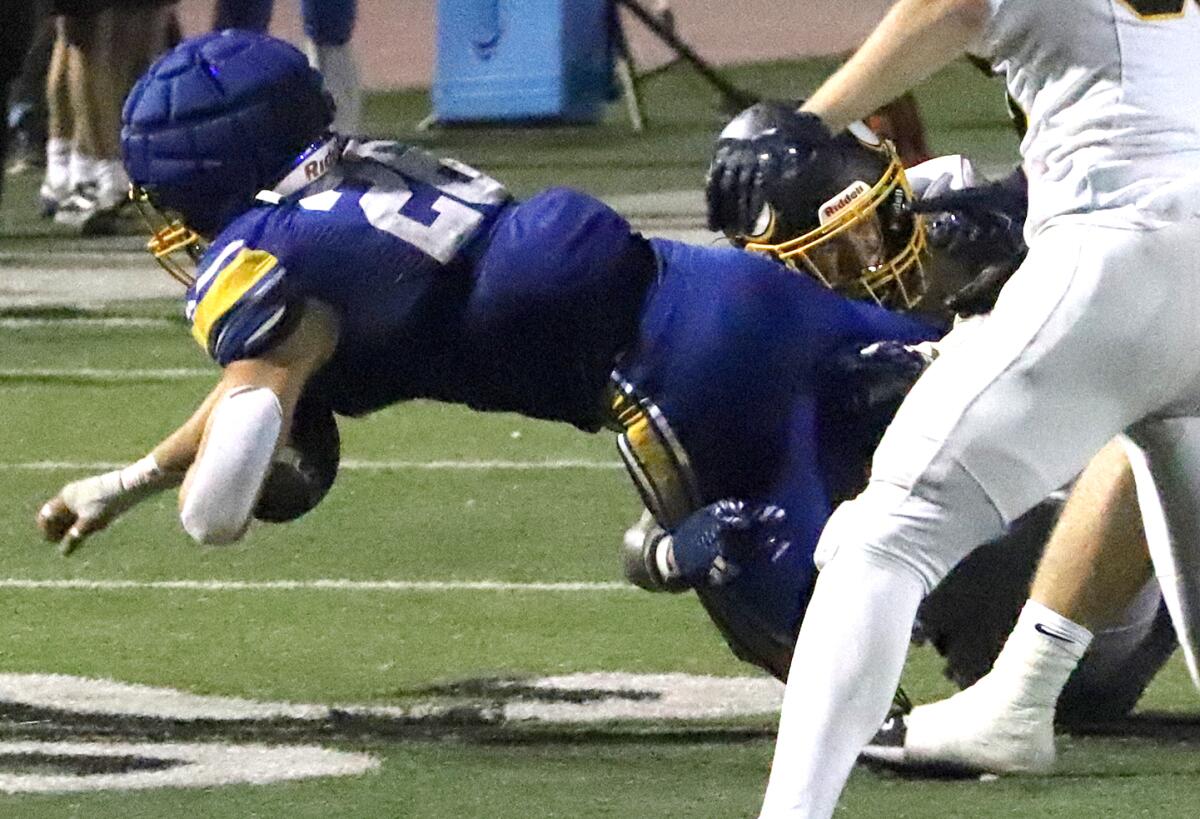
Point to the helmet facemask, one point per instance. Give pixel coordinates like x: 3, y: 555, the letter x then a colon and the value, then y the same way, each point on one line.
x: 869, y: 244
x: 175, y: 246
x: 211, y: 123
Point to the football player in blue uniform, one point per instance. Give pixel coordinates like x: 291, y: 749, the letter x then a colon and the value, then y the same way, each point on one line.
x: 970, y: 222
x: 343, y: 275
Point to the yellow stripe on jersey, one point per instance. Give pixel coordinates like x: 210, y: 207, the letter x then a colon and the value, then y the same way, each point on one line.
x: 245, y: 270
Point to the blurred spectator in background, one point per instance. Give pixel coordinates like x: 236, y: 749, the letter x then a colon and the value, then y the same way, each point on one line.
x: 900, y: 121
x: 328, y: 25
x: 27, y: 95
x: 15, y: 35
x: 101, y: 47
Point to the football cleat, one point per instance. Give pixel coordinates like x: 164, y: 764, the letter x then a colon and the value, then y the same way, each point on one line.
x: 94, y: 207
x: 50, y: 197
x: 965, y: 735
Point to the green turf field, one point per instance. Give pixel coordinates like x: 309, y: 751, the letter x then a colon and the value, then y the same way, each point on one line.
x: 474, y: 555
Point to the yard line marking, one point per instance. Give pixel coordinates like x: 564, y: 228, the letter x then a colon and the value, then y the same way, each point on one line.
x: 568, y: 463
x: 351, y: 464
x: 311, y: 585
x: 109, y: 322
x: 99, y: 374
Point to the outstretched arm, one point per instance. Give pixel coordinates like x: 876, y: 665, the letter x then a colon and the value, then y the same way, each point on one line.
x: 86, y: 506
x: 915, y: 39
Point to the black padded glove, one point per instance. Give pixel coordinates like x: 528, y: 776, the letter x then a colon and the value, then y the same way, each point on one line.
x: 760, y: 144
x: 709, y: 543
x: 982, y: 228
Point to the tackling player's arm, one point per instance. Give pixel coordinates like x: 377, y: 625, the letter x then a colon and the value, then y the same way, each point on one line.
x: 915, y: 39
x: 220, y: 454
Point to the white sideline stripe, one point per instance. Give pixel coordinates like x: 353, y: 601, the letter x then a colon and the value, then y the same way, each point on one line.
x: 99, y: 374
x: 351, y: 464
x: 112, y: 322
x: 311, y: 585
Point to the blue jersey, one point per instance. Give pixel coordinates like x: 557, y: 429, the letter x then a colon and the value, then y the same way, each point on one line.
x: 711, y: 362
x: 731, y: 368
x: 445, y: 289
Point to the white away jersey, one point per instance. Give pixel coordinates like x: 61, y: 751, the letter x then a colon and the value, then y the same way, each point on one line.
x: 1111, y: 89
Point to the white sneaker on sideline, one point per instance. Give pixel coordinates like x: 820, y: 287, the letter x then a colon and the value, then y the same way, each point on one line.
x: 93, y: 207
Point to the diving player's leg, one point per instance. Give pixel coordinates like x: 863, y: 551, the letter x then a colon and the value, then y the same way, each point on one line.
x: 328, y: 25
x: 993, y: 427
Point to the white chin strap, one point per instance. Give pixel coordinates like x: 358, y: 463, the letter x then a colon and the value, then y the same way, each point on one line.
x: 226, y: 479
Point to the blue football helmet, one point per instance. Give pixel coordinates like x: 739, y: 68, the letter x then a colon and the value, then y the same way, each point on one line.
x: 214, y: 121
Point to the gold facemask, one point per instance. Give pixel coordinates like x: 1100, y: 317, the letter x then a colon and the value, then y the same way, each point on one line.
x: 849, y: 253
x: 170, y: 239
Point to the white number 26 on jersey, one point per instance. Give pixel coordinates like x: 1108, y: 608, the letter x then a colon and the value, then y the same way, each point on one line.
x: 448, y: 221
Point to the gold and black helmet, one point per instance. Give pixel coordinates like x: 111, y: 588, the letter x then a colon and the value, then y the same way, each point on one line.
x: 837, y: 208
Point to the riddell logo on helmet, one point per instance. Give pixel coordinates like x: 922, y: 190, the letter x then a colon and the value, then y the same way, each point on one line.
x: 831, y: 209
x: 318, y: 166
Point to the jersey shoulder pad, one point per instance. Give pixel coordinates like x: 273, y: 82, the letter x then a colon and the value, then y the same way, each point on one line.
x: 242, y: 303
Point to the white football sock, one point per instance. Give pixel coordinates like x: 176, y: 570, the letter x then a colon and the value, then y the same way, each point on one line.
x: 1005, y: 722
x: 847, y: 664
x: 82, y: 169
x: 58, y: 168
x: 112, y: 185
x: 1040, y: 655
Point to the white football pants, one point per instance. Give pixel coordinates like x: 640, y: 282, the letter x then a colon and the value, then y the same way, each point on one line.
x: 1099, y: 329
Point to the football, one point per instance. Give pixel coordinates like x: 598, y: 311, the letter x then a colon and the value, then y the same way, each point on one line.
x: 304, y: 469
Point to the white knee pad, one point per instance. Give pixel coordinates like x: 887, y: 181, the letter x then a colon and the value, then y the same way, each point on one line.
x: 925, y: 536
x: 226, y: 479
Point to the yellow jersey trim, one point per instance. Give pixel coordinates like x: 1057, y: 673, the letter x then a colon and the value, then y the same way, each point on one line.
x: 246, y: 269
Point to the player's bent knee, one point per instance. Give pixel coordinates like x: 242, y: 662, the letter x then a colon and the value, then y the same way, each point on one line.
x: 893, y: 525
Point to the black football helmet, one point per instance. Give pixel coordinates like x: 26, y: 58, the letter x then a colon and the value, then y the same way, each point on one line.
x: 835, y: 207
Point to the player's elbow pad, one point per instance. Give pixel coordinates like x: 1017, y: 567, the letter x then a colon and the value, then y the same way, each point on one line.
x: 228, y: 476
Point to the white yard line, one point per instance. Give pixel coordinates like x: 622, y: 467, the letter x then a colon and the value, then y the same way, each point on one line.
x: 310, y: 585
x: 105, y: 322
x: 351, y: 464
x: 100, y: 374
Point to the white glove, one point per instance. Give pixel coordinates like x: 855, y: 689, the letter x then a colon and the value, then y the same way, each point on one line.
x: 88, y: 505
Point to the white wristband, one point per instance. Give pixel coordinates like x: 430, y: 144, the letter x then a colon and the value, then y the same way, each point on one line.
x: 144, y: 474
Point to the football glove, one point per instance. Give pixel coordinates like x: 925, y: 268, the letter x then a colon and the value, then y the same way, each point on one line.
x: 981, y: 227
x: 88, y: 505
x: 741, y: 164
x: 711, y: 542
x: 877, y: 375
